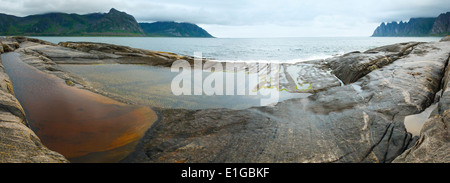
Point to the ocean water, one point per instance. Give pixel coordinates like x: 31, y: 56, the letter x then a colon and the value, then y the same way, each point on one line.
x: 252, y: 49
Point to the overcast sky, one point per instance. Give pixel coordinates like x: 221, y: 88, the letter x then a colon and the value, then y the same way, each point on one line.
x: 251, y: 18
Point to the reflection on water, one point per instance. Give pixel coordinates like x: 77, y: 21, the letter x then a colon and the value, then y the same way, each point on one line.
x: 81, y: 125
x: 151, y: 86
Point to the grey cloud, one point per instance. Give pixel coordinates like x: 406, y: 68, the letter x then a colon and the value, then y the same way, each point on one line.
x: 304, y: 14
x: 237, y: 12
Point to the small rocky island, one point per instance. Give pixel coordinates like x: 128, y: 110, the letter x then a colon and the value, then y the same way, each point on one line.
x: 355, y: 113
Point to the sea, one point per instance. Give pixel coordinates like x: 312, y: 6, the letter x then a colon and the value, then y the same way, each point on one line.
x: 252, y: 49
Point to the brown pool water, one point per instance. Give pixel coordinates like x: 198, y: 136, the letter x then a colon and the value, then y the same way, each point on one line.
x: 81, y: 125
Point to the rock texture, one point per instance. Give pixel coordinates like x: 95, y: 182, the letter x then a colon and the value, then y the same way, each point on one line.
x: 352, y: 66
x: 359, y: 122
x: 117, y: 54
x: 434, y: 142
x: 18, y: 143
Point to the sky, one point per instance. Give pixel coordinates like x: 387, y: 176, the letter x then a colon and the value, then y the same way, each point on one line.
x: 251, y: 18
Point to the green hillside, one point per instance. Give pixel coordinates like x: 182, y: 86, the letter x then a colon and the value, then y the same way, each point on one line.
x: 113, y: 23
x: 173, y: 29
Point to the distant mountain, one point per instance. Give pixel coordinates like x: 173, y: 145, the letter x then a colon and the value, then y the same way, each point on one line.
x: 415, y: 27
x: 442, y: 25
x: 113, y: 23
x: 173, y: 29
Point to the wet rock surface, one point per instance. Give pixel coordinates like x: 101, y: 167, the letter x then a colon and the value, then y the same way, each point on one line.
x: 358, y: 122
x: 123, y: 54
x: 304, y: 77
x: 361, y: 121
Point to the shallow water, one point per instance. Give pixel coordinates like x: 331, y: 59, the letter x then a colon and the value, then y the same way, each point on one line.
x: 414, y: 123
x: 81, y: 125
x: 150, y: 85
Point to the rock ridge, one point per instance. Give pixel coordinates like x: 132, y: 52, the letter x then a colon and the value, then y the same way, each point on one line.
x: 18, y: 143
x: 434, y: 141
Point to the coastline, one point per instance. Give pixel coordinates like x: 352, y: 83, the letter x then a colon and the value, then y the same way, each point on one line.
x: 373, y: 132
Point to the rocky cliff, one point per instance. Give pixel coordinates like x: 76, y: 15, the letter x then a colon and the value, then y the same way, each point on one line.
x: 415, y: 27
x: 442, y: 25
x: 18, y: 143
x: 173, y: 29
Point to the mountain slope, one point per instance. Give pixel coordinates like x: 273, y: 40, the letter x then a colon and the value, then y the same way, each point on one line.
x: 442, y: 24
x: 113, y: 23
x: 416, y: 27
x: 173, y: 29
x: 118, y: 22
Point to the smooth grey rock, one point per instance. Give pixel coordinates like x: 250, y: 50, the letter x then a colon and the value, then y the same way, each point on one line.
x: 51, y: 51
x: 125, y: 54
x: 433, y: 144
x: 352, y: 66
x: 359, y: 122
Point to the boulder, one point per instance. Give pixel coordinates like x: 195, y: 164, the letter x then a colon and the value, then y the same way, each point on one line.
x: 446, y: 38
x: 8, y: 44
x: 352, y: 66
x: 125, y: 54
